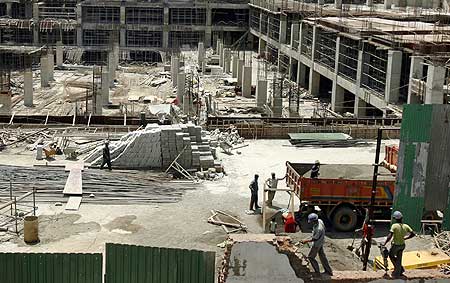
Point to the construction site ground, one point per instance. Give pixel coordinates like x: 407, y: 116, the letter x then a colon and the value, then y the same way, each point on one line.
x: 184, y: 224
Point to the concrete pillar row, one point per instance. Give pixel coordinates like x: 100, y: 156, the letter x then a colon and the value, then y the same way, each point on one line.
x: 247, y: 82
x: 28, y: 88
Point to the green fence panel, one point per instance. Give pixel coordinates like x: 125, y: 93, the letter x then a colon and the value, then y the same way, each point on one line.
x: 139, y: 264
x: 50, y: 268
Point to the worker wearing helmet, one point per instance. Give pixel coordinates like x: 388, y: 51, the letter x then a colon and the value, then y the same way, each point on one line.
x: 318, y: 239
x: 315, y: 169
x: 399, y: 233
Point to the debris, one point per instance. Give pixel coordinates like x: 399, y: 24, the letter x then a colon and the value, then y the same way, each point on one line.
x: 226, y: 220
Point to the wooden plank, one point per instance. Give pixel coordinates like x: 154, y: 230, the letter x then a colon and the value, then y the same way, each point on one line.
x: 74, y: 183
x: 76, y: 166
x: 73, y: 203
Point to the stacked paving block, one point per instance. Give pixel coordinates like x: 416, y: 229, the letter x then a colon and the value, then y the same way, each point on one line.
x: 158, y: 146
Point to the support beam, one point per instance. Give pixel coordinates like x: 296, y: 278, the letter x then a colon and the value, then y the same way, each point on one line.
x: 175, y: 69
x: 51, y: 66
x: 337, y: 98
x: 247, y: 82
x: 283, y: 29
x: 302, y: 77
x: 220, y: 54
x: 393, y: 76
x: 104, y: 89
x: 435, y: 85
x: 201, y: 54
x: 28, y: 88
x: 227, y: 60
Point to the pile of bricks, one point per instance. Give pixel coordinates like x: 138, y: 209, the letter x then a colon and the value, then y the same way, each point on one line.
x: 158, y: 146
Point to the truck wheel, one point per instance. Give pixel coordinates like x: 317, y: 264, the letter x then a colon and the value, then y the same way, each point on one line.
x: 344, y: 219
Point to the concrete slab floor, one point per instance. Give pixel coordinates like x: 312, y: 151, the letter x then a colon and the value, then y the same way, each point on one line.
x: 184, y: 224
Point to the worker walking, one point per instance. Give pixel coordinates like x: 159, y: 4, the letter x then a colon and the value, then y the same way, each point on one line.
x: 254, y: 193
x: 106, y: 156
x: 272, y: 183
x: 315, y: 169
x: 399, y: 233
x: 318, y: 239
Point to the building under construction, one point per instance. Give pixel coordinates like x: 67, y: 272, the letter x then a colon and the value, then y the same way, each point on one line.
x: 365, y: 58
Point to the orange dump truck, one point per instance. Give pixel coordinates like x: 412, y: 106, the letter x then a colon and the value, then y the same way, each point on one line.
x: 342, y: 191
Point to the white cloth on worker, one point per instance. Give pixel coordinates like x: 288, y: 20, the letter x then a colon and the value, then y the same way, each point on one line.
x: 273, y: 183
x: 318, y: 234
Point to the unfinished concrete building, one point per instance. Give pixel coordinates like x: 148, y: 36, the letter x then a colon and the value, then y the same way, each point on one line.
x: 142, y: 30
x: 365, y: 59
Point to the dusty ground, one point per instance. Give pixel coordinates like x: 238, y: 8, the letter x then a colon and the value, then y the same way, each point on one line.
x: 184, y: 224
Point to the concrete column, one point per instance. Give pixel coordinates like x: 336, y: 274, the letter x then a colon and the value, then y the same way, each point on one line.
x: 283, y: 28
x: 165, y: 39
x: 387, y: 4
x: 28, y: 88
x: 301, y: 74
x: 51, y: 66
x: 208, y: 27
x: 277, y: 106
x: 36, y: 26
x: 314, y: 82
x: 122, y: 15
x: 227, y: 60
x: 300, y: 38
x: 247, y: 82
x: 369, y: 3
x: 59, y: 54
x: 181, y: 85
x: 294, y: 33
x: 261, y: 93
x: 337, y: 98
x: 9, y: 9
x: 338, y: 4
x: 435, y: 85
x: 111, y: 68
x: 201, y: 54
x: 234, y: 71
x: 218, y: 46
x: 393, y: 74
x: 359, y: 70
x: 104, y: 89
x: 5, y: 102
x: 313, y: 45
x: 415, y: 72
x: 261, y: 46
x: 45, y: 76
x: 240, y: 71
x: 175, y: 69
x: 221, y: 54
x: 360, y: 107
x: 79, y: 24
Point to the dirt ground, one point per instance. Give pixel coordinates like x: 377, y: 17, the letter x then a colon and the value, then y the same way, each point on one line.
x: 184, y: 224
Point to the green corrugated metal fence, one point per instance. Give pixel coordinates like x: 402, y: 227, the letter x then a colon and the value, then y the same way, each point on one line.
x: 138, y: 264
x: 50, y: 268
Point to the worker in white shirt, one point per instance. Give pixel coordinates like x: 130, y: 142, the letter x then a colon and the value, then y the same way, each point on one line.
x: 272, y: 183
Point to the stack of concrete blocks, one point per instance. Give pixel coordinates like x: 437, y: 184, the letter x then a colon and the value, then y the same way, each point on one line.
x: 157, y: 147
x: 169, y: 144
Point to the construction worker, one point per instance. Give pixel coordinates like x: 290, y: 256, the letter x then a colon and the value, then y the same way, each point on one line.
x: 272, y: 183
x: 106, y: 156
x: 315, y: 169
x: 399, y: 233
x: 254, y: 193
x: 318, y: 239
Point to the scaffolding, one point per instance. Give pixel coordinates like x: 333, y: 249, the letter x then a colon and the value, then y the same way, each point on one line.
x: 348, y: 58
x: 144, y: 16
x: 137, y: 38
x: 325, y: 49
x: 187, y: 16
x: 374, y: 69
x: 307, y: 40
x: 101, y: 14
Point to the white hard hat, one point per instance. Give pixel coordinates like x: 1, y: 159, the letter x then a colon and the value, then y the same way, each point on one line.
x: 317, y: 162
x: 312, y: 217
x: 397, y: 215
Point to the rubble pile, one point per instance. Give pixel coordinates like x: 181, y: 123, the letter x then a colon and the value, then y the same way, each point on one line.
x: 158, y: 146
x: 230, y: 136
